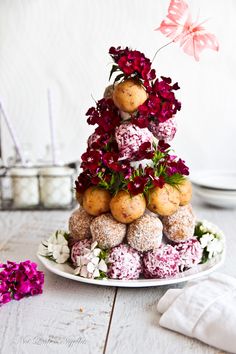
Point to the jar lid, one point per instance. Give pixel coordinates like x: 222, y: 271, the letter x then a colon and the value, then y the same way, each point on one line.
x: 56, y: 171
x: 23, y: 171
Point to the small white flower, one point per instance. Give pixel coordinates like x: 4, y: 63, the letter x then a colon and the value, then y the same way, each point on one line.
x: 90, y: 265
x: 215, y: 247
x: 56, y: 247
x: 102, y: 266
x: 206, y: 239
x: 212, y: 239
x: 43, y: 249
x: 61, y: 253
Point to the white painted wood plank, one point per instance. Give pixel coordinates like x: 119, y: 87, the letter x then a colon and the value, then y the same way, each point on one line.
x: 68, y: 317
x: 135, y: 322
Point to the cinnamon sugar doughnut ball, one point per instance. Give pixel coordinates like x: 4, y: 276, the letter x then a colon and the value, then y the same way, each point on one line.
x: 145, y: 234
x: 129, y: 95
x: 79, y: 224
x: 107, y: 231
x: 126, y: 208
x: 179, y: 226
x: 185, y: 190
x: 96, y: 201
x: 164, y: 201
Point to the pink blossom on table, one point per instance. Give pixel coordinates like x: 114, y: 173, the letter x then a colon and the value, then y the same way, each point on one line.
x: 190, y: 253
x: 164, y: 130
x: 129, y: 138
x: 19, y: 280
x: 124, y: 262
x: 162, y: 262
x: 79, y: 249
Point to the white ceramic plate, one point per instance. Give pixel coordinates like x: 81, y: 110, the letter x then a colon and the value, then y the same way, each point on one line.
x: 214, y: 179
x: 66, y: 271
x: 219, y: 198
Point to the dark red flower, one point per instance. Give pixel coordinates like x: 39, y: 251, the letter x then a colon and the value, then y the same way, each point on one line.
x: 145, y: 151
x: 133, y: 63
x: 158, y: 181
x: 106, y: 115
x: 149, y: 172
x: 83, y: 182
x: 162, y: 146
x: 110, y: 160
x: 177, y: 167
x: 140, y: 121
x: 137, y: 185
x: 125, y: 169
x: 91, y: 160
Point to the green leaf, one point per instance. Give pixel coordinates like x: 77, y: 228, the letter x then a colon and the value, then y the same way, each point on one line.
x: 113, y: 70
x: 120, y: 76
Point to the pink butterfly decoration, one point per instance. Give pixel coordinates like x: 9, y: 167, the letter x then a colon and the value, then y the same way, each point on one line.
x: 179, y: 27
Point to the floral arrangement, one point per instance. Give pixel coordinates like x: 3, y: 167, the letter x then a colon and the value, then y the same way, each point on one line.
x: 18, y: 280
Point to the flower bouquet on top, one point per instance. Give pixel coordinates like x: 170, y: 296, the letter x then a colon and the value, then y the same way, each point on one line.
x: 135, y: 217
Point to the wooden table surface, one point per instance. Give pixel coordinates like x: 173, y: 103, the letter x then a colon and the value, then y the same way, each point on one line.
x: 71, y: 317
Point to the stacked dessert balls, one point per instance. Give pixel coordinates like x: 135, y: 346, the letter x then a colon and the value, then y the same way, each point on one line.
x: 133, y: 192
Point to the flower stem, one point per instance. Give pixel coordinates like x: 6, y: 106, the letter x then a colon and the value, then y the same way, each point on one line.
x: 158, y: 50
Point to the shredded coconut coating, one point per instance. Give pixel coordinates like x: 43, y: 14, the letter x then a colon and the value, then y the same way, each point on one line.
x: 93, y: 138
x: 161, y: 263
x: 124, y: 263
x: 78, y: 249
x: 145, y: 233
x: 190, y: 253
x: 179, y: 226
x: 129, y: 138
x: 79, y: 224
x: 107, y: 231
x: 164, y: 130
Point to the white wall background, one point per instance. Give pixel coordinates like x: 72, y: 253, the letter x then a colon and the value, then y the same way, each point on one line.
x: 63, y: 44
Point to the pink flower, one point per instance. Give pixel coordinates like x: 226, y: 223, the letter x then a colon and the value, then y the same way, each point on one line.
x: 19, y: 280
x: 178, y: 26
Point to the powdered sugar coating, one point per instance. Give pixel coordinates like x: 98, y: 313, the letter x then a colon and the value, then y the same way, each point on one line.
x: 179, y: 226
x: 78, y: 249
x: 190, y: 253
x: 129, y: 137
x: 145, y: 233
x: 124, y: 263
x: 164, y: 130
x: 79, y: 224
x: 161, y: 263
x: 107, y: 231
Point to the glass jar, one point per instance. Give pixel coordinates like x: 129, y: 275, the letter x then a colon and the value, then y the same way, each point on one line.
x: 56, y: 186
x: 25, y: 187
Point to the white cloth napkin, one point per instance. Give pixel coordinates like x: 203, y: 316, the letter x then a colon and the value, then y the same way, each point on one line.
x: 204, y: 309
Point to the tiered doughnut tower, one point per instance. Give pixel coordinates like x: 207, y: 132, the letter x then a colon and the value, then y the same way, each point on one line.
x: 133, y: 192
